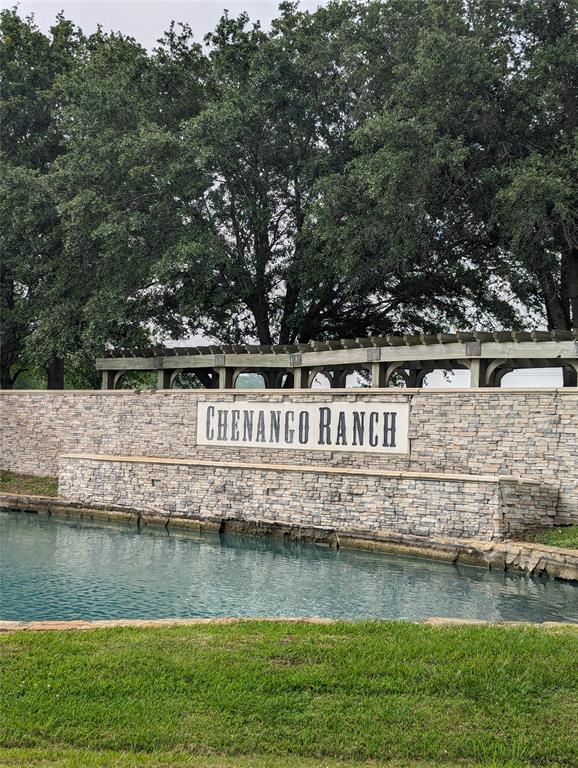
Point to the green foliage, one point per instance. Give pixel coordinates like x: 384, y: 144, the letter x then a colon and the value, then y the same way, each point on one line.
x: 362, y: 169
x: 30, y: 63
x: 83, y: 215
x: 390, y: 692
x: 28, y: 240
x: 138, y: 380
x: 31, y: 141
x: 187, y: 380
x: 566, y: 536
x: 34, y: 485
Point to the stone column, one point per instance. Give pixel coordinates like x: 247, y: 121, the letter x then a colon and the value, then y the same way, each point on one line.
x: 300, y: 378
x: 269, y: 378
x: 378, y: 374
x: 164, y: 379
x: 299, y: 374
x: 225, y: 378
x: 108, y: 379
x: 477, y: 372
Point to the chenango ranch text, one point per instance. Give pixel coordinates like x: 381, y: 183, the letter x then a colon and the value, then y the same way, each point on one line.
x: 373, y: 427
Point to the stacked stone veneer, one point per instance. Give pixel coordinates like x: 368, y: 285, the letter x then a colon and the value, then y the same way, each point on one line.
x: 349, y: 501
x: 530, y: 434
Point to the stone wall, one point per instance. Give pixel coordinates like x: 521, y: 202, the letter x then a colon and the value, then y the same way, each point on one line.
x: 348, y: 501
x: 526, y: 433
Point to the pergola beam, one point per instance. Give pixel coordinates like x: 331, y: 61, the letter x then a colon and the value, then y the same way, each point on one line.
x: 486, y: 354
x: 553, y: 351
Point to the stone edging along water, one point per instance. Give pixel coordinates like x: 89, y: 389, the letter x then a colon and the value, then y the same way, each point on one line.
x: 527, y: 557
x: 80, y: 625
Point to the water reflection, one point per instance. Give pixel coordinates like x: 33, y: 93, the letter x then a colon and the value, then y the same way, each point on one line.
x: 58, y: 568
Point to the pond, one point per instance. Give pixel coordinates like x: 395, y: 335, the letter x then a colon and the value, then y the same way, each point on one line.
x: 61, y: 568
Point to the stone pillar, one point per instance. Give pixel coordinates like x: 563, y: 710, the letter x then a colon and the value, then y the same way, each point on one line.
x: 108, y: 379
x: 378, y: 375
x: 268, y: 379
x: 477, y: 372
x: 225, y: 378
x: 300, y: 378
x: 164, y: 379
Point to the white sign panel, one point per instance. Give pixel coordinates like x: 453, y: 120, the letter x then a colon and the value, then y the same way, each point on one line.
x: 370, y: 427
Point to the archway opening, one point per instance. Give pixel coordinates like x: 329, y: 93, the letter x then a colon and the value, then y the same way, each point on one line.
x: 137, y: 380
x: 321, y: 381
x: 187, y: 380
x: 358, y: 378
x: 250, y: 381
x: 398, y: 379
x: 533, y: 377
x: 440, y: 378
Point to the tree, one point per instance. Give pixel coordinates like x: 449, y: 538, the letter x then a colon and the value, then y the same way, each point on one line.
x: 354, y: 160
x: 368, y: 168
x: 27, y: 233
x: 467, y: 174
x: 108, y: 180
x: 121, y: 185
x: 538, y: 202
x: 274, y: 121
x: 30, y: 142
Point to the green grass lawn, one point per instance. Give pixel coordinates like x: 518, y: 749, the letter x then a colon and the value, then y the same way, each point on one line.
x: 555, y: 537
x: 10, y: 482
x: 258, y: 695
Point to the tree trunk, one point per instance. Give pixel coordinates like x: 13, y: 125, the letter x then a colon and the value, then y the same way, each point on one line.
x: 572, y: 272
x: 10, y: 346
x: 55, y: 373
x: 259, y: 310
x: 286, y: 332
x: 557, y: 316
x: 6, y: 381
x: 563, y: 307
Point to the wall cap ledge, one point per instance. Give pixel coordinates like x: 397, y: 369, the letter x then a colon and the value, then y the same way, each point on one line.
x: 355, y: 472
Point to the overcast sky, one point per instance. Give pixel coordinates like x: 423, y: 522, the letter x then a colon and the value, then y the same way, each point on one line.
x: 146, y: 21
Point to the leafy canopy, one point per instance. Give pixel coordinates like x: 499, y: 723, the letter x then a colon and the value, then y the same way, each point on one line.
x: 366, y: 168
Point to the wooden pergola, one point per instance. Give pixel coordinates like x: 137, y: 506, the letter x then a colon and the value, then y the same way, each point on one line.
x: 487, y: 355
